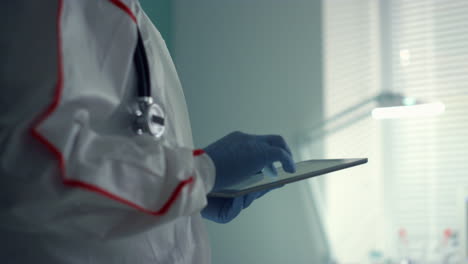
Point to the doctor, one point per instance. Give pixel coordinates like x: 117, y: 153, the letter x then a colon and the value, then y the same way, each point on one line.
x: 97, y: 163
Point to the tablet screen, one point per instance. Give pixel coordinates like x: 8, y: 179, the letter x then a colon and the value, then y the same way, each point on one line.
x: 304, y: 170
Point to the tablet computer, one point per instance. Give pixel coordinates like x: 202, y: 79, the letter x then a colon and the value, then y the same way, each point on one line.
x: 304, y: 170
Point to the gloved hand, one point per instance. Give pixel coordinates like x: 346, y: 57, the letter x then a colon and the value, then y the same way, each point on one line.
x: 238, y: 156
x: 223, y: 210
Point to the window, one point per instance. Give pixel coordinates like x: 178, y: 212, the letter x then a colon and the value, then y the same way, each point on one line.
x: 402, y: 205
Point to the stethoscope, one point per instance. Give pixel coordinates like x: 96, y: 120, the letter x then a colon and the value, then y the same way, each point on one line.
x: 149, y: 116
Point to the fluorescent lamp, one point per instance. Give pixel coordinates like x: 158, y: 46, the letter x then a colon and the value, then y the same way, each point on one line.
x: 410, y: 111
x: 389, y: 105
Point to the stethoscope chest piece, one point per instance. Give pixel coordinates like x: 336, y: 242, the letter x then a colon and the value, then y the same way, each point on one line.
x: 150, y: 118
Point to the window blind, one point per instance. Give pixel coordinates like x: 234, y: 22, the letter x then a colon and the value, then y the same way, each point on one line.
x: 428, y: 158
x: 420, y: 49
x: 353, y: 201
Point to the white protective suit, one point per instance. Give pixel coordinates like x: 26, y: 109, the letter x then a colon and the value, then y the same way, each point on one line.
x: 77, y: 185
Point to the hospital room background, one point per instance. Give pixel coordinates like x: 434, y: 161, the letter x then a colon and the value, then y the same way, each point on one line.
x: 386, y: 80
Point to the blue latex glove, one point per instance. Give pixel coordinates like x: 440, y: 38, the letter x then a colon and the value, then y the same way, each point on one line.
x: 223, y: 210
x: 238, y: 156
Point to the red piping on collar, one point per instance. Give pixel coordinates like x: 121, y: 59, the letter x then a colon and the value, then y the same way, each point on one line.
x: 124, y: 8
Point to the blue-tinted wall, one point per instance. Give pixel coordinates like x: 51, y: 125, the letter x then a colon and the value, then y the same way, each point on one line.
x: 160, y: 13
x: 254, y: 66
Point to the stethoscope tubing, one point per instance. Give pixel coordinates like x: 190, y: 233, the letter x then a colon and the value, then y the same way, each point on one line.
x: 149, y: 116
x: 142, y: 69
